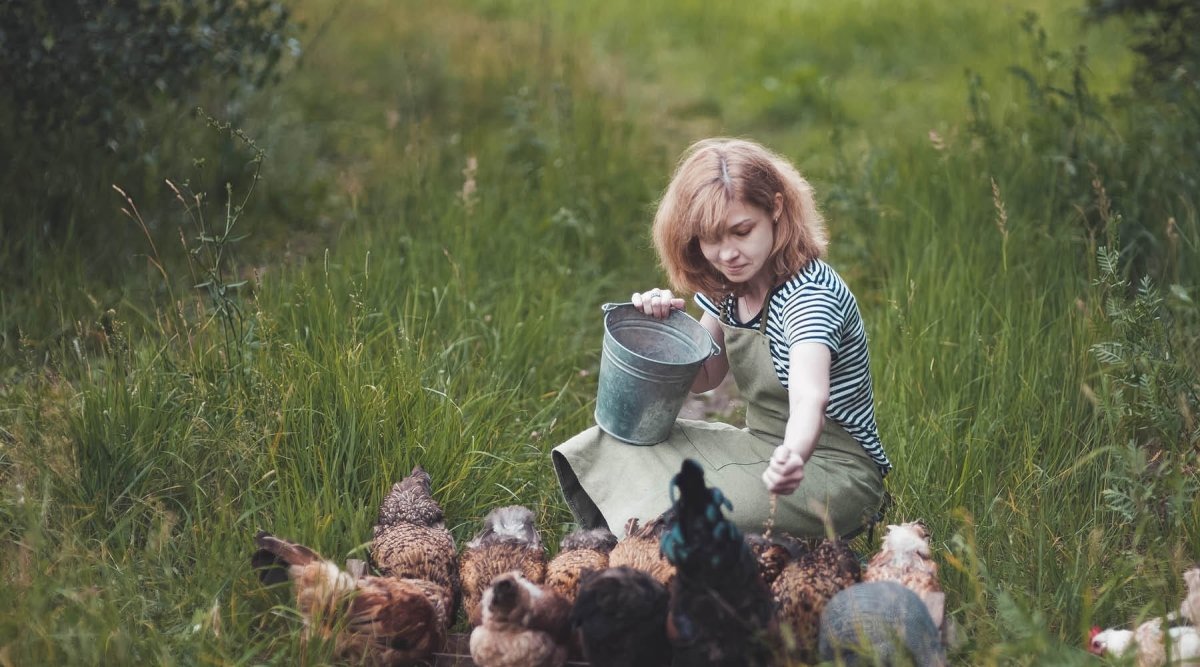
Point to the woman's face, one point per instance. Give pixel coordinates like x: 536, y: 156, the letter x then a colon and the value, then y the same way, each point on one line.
x: 740, y: 253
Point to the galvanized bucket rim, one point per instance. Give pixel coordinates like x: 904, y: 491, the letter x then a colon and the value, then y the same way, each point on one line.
x: 609, y: 308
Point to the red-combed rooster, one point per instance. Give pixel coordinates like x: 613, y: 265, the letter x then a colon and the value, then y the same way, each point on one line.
x: 720, y: 611
x: 372, y: 620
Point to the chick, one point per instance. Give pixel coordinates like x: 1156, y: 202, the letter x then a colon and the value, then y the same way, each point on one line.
x: 620, y: 616
x: 905, y: 558
x: 372, y: 620
x: 806, y: 585
x: 508, y: 541
x: 640, y: 549
x: 523, y: 625
x: 580, y: 552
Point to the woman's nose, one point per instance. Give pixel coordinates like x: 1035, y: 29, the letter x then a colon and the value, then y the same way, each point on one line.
x: 728, y: 252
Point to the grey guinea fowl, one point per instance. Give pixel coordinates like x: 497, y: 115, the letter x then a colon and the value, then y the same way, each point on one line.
x: 879, y: 623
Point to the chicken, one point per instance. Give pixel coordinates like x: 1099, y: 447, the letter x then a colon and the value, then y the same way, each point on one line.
x: 1148, y: 644
x: 806, y: 585
x: 640, y: 549
x: 905, y: 558
x: 774, y: 553
x: 372, y: 620
x: 1111, y: 642
x: 620, y: 616
x: 720, y: 611
x: 523, y: 625
x: 1190, y: 607
x: 508, y: 541
x: 580, y: 552
x: 411, y: 540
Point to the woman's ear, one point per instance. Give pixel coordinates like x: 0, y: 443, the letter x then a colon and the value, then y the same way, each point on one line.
x: 778, y: 207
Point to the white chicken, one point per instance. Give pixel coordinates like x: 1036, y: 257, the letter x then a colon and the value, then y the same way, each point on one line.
x: 1149, y: 644
x: 1190, y: 607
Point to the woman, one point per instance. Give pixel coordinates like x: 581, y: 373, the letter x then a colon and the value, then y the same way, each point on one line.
x: 739, y: 228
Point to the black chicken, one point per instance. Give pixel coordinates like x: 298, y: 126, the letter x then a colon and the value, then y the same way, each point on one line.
x: 620, y: 615
x: 720, y: 613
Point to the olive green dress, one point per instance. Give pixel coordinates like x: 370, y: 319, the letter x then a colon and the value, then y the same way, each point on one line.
x: 607, y: 481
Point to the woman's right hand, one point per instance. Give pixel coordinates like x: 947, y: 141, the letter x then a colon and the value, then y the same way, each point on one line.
x: 657, y: 302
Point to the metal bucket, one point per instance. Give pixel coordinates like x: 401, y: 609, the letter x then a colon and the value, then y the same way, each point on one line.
x: 647, y: 366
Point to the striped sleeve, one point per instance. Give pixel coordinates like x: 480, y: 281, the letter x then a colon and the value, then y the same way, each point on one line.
x: 707, y: 305
x: 814, y: 315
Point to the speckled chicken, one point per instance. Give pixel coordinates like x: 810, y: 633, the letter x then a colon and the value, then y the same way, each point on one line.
x: 380, y: 621
x: 508, y: 541
x: 905, y: 558
x: 720, y: 611
x: 806, y: 585
x: 411, y: 540
x: 523, y: 625
x: 641, y: 550
x: 774, y: 553
x: 580, y: 552
x: 620, y: 616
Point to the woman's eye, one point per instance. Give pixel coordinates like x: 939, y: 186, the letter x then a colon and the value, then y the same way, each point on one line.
x: 742, y: 232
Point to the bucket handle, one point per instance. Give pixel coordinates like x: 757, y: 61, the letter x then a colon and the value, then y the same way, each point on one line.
x: 716, y: 349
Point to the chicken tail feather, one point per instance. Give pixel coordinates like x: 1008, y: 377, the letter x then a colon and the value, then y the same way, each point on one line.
x: 274, y: 556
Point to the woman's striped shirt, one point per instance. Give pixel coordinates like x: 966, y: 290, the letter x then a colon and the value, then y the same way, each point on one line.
x: 816, y: 306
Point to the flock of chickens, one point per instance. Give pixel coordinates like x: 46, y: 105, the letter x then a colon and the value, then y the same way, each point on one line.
x: 1149, y: 643
x: 687, y: 588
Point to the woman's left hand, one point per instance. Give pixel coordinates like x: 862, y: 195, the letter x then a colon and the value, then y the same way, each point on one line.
x: 785, y: 471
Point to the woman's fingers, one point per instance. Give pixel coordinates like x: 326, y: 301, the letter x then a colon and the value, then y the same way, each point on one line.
x: 784, y: 472
x: 657, y: 302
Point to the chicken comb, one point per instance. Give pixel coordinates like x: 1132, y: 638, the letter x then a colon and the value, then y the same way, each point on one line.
x: 1095, y: 631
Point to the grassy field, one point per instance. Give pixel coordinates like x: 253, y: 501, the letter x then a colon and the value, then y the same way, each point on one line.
x: 449, y: 193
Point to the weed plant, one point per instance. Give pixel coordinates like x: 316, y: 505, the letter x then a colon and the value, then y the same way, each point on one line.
x: 482, y: 179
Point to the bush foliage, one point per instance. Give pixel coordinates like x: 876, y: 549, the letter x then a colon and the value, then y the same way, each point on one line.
x: 84, y: 63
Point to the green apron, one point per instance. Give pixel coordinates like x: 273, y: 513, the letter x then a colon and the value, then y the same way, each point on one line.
x: 607, y: 482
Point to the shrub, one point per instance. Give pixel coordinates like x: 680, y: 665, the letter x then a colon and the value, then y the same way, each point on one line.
x: 85, y: 61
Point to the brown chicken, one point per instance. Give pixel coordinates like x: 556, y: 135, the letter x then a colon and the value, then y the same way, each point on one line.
x: 581, y: 551
x: 380, y: 621
x: 905, y: 559
x: 805, y: 586
x: 774, y: 553
x: 523, y: 625
x: 508, y: 541
x: 640, y: 549
x: 411, y: 540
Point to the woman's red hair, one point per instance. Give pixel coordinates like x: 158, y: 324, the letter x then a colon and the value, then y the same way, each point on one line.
x: 712, y: 175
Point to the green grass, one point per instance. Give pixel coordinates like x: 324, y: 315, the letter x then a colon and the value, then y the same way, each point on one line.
x: 400, y: 322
